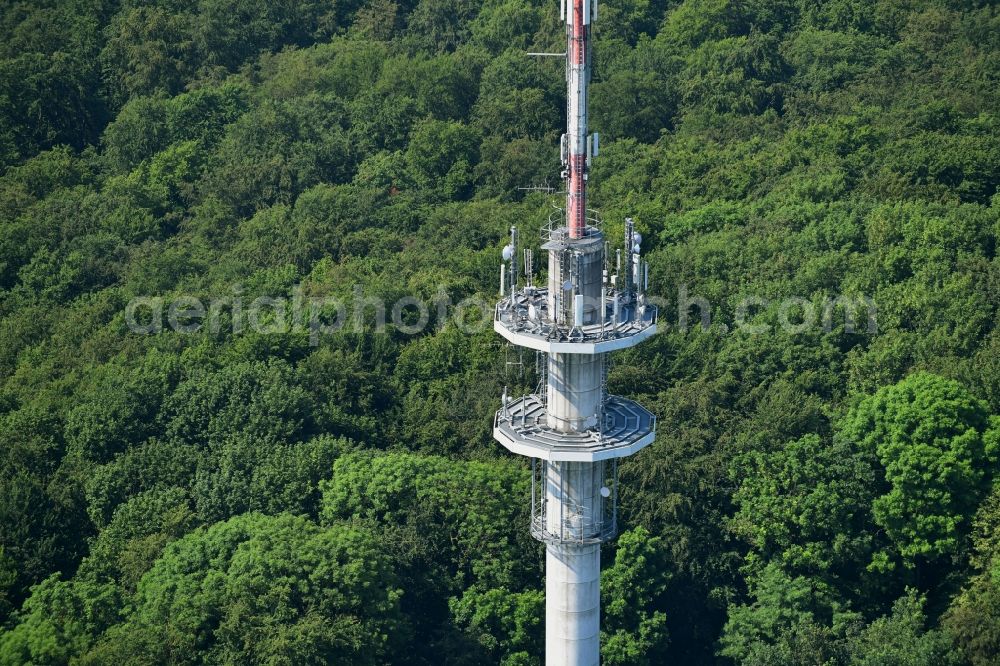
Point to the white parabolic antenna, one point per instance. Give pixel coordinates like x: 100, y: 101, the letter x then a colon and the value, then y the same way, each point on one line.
x: 508, y: 252
x: 605, y: 491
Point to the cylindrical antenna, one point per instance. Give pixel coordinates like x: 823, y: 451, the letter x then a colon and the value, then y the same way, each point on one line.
x: 513, y: 260
x: 629, y: 243
x: 603, y: 311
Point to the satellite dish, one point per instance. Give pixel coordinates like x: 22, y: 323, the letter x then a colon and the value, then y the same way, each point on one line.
x: 508, y: 252
x: 567, y: 285
x: 638, y: 238
x: 635, y: 248
x: 605, y: 491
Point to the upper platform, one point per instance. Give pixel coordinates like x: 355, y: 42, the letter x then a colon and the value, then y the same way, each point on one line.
x: 523, y: 319
x: 522, y: 427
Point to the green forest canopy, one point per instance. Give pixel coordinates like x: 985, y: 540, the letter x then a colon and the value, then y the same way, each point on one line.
x: 826, y: 495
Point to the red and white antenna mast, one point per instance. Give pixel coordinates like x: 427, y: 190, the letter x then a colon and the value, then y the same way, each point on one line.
x: 577, y: 145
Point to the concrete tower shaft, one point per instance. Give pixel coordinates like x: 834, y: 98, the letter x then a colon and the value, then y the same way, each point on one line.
x: 574, y: 511
x: 573, y: 604
x: 576, y: 267
x: 574, y: 391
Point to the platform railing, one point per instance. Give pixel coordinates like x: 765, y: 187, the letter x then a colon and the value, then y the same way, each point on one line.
x: 574, y: 524
x: 515, y: 317
x: 555, y: 227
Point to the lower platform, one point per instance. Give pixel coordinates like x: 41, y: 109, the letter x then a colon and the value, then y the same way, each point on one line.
x: 522, y: 427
